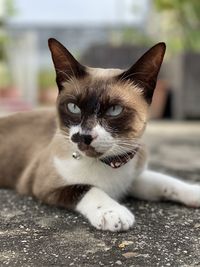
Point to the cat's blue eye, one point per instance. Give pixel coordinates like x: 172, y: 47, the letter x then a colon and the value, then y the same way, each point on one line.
x: 73, y: 108
x: 114, y: 110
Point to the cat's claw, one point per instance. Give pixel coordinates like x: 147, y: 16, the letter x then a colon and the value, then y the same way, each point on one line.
x: 114, y: 219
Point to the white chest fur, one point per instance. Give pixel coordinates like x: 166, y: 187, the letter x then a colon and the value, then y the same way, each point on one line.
x: 115, y: 182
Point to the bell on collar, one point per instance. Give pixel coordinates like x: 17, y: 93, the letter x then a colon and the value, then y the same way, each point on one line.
x: 76, y: 155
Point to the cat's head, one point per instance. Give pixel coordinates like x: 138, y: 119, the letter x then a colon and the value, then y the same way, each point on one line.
x: 104, y: 111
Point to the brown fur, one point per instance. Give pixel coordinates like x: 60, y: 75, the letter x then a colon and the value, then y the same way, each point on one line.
x: 21, y: 137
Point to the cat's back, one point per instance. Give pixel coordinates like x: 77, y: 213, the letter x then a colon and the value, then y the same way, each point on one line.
x: 39, y: 121
x: 23, y: 135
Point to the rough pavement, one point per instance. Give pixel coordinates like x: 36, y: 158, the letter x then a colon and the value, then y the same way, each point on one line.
x: 166, y: 234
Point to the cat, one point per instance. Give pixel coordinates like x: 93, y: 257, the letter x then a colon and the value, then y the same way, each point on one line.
x: 87, y: 153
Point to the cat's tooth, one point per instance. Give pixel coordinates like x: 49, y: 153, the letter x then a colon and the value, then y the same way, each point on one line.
x: 117, y: 164
x: 112, y: 165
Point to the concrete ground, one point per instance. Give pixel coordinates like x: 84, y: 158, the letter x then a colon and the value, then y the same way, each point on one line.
x: 166, y: 234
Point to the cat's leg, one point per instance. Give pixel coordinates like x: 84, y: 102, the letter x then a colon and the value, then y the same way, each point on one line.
x: 102, y: 211
x: 155, y: 186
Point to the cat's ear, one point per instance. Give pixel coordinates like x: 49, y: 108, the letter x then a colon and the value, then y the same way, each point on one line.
x: 145, y: 71
x: 66, y: 66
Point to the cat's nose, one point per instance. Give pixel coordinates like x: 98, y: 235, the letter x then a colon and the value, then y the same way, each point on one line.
x: 87, y: 139
x: 82, y: 138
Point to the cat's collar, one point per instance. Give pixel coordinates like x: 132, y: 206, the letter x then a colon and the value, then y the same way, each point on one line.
x: 115, y: 161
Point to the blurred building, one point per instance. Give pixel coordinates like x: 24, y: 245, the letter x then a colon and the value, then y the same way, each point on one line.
x: 28, y: 32
x: 77, y: 38
x: 94, y: 32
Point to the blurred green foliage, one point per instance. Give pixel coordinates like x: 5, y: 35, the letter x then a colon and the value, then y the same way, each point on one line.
x: 3, y: 40
x: 5, y: 77
x: 178, y: 24
x: 46, y: 79
x: 184, y: 15
x: 134, y: 36
x: 9, y: 11
x: 10, y: 8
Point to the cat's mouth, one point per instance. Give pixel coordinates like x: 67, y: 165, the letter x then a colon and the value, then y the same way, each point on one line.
x: 89, y: 151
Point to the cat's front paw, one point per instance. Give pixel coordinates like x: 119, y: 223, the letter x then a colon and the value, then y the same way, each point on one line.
x: 116, y: 218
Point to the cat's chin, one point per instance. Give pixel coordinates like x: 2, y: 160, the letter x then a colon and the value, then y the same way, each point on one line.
x: 89, y: 151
